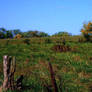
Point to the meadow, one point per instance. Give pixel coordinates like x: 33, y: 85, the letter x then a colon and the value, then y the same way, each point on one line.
x: 73, y: 68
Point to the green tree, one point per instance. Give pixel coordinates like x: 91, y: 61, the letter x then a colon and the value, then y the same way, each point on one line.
x: 9, y: 34
x: 43, y: 34
x: 17, y: 31
x: 2, y: 33
x: 62, y: 34
x: 32, y: 34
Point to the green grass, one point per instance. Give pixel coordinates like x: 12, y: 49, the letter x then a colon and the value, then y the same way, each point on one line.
x: 73, y: 68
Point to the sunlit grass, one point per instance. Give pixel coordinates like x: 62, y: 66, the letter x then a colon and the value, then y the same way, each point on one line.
x: 73, y: 67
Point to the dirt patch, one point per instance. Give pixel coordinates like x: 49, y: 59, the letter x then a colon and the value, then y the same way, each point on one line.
x: 61, y: 48
x: 90, y: 58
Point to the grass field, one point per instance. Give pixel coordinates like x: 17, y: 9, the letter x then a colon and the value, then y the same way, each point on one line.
x: 73, y: 69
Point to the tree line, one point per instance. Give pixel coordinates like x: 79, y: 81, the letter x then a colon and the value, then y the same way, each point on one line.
x: 16, y: 33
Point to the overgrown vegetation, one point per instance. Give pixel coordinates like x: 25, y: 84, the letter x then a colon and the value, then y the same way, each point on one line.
x: 72, y: 68
x: 70, y: 57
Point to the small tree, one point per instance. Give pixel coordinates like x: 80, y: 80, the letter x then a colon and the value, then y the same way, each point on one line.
x: 87, y: 31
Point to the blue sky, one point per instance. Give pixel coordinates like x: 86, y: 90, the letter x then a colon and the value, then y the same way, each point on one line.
x: 50, y: 16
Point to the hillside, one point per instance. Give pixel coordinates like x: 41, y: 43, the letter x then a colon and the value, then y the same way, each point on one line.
x: 73, y: 67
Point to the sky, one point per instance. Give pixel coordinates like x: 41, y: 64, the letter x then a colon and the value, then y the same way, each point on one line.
x: 50, y: 16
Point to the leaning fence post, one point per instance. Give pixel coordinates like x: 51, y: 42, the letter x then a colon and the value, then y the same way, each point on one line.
x: 53, y: 78
x: 12, y: 71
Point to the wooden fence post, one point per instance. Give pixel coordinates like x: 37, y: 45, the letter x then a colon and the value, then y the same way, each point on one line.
x: 9, y: 66
x: 53, y: 78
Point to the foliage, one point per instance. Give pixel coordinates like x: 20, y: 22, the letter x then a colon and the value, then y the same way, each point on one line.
x: 2, y: 33
x: 35, y: 34
x: 87, y: 31
x: 9, y: 34
x: 16, y: 31
x: 73, y: 69
x: 43, y: 34
x: 18, y: 36
x: 62, y: 34
x: 5, y: 33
